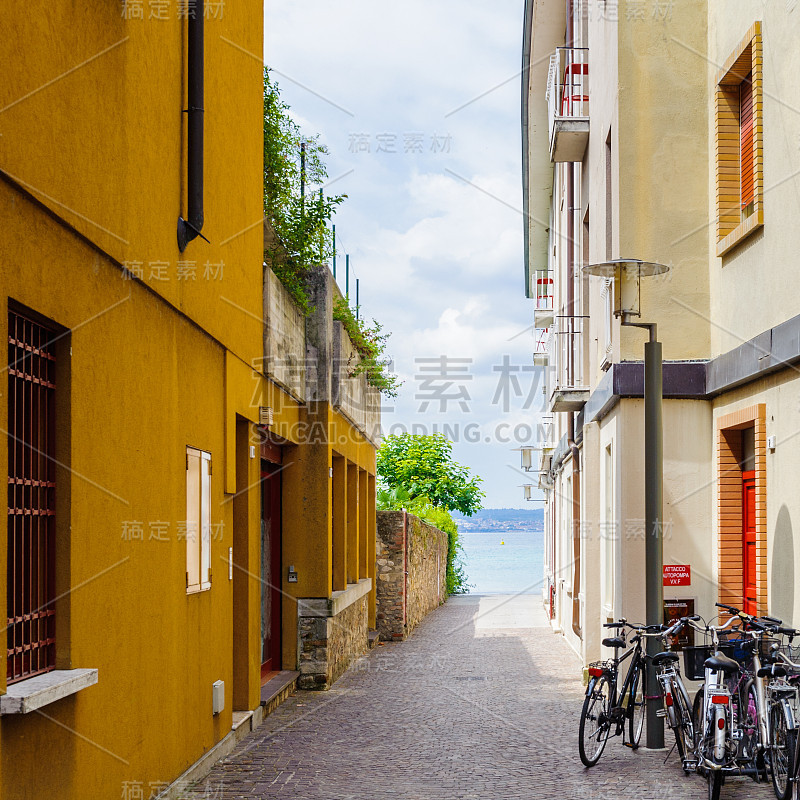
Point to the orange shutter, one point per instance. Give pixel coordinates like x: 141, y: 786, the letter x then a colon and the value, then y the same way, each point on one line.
x: 746, y: 139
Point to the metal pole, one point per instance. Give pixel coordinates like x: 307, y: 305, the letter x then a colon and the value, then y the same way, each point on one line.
x: 347, y: 276
x: 334, y: 252
x: 357, y: 282
x: 653, y: 509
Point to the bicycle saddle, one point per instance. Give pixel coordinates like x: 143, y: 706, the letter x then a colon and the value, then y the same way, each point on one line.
x: 615, y: 642
x: 773, y: 671
x: 664, y: 658
x: 721, y: 661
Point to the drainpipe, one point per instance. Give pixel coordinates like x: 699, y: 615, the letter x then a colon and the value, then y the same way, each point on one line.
x: 570, y: 297
x: 190, y: 228
x: 576, y: 525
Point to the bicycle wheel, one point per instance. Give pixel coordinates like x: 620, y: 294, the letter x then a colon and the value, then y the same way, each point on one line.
x: 684, y: 738
x: 637, y: 707
x: 714, y: 784
x: 595, y: 725
x: 747, y: 702
x: 782, y: 753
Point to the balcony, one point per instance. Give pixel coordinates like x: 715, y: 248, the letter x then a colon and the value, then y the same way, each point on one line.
x: 568, y: 103
x: 543, y: 313
x: 566, y: 389
x: 541, y: 355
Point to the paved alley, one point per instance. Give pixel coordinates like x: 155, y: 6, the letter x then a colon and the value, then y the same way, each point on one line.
x: 481, y: 702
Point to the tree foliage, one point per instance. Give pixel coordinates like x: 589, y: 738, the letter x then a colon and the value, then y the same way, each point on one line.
x: 301, y: 219
x: 423, y: 466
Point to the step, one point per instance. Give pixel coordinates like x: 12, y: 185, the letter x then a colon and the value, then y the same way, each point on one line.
x: 278, y: 689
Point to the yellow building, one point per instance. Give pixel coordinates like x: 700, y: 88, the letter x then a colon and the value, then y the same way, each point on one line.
x: 648, y: 134
x: 173, y: 492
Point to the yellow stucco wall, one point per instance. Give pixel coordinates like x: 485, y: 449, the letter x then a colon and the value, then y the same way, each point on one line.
x: 91, y: 126
x: 136, y: 401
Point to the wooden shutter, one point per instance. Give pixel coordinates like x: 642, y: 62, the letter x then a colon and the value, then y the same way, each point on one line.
x: 746, y: 140
x: 193, y: 516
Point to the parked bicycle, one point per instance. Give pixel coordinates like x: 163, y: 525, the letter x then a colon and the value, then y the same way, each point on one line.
x: 783, y: 703
x: 677, y: 707
x: 608, y: 709
x: 731, y: 709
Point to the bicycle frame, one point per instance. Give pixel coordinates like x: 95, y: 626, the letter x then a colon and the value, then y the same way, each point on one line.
x: 618, y: 696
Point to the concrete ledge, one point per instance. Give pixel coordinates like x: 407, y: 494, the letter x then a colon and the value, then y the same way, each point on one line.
x: 41, y: 690
x: 338, y: 602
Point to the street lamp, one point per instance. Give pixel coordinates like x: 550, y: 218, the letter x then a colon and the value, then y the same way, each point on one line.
x: 625, y: 272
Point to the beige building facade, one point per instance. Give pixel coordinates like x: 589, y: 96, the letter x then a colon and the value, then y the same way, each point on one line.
x: 664, y: 132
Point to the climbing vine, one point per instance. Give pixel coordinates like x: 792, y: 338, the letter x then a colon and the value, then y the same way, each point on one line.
x: 370, y: 344
x: 293, y: 163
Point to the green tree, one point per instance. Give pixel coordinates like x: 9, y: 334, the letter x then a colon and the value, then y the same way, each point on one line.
x: 424, y: 467
x: 418, y: 473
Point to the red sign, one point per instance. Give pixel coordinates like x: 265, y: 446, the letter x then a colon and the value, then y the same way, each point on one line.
x: 677, y: 575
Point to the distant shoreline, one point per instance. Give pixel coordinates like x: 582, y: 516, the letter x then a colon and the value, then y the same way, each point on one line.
x: 500, y: 530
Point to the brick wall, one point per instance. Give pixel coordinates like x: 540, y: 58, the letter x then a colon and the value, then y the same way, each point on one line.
x: 407, y: 544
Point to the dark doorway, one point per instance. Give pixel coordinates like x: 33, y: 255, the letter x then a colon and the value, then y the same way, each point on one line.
x: 271, y: 572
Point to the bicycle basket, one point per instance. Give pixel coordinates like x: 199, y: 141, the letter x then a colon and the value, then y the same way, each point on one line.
x: 694, y: 658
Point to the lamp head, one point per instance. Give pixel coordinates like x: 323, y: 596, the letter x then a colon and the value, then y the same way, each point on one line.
x: 624, y: 272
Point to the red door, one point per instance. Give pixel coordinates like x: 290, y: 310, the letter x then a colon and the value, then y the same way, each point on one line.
x: 271, y: 571
x: 749, y: 542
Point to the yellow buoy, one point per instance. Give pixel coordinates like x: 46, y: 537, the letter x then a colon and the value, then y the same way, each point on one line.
x: 502, y: 542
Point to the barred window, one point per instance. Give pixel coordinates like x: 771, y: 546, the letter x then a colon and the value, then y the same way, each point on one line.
x: 31, y: 499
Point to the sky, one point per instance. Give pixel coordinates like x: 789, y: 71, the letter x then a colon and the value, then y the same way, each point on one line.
x: 419, y: 106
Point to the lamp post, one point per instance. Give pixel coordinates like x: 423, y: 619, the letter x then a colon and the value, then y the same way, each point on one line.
x: 634, y: 270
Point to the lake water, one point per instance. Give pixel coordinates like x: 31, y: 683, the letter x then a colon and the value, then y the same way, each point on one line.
x: 495, y: 568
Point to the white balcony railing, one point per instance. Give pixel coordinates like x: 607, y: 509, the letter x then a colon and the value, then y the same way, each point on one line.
x: 566, y: 385
x: 543, y: 314
x: 568, y: 103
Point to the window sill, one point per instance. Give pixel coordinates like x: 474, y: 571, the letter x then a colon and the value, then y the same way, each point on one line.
x: 740, y: 232
x: 41, y: 690
x: 203, y: 587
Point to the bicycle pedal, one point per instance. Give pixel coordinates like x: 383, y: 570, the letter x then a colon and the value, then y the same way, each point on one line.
x: 627, y: 744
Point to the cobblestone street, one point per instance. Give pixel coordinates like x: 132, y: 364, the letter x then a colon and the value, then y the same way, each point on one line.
x: 481, y: 702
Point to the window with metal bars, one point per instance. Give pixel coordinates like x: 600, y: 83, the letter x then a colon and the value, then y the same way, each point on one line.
x: 31, y: 498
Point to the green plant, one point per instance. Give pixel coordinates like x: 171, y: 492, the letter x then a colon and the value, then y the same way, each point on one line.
x: 423, y: 466
x: 292, y: 164
x: 370, y: 344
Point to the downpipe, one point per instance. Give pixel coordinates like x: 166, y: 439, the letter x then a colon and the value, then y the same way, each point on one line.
x: 190, y: 227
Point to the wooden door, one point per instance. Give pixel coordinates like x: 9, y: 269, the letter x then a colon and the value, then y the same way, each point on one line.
x: 271, y: 571
x: 749, y: 542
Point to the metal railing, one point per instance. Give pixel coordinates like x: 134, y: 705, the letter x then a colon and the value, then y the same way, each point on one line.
x: 568, y: 84
x: 544, y: 290
x: 565, y: 350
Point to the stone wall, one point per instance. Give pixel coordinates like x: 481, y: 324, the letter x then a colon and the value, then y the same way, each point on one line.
x: 284, y: 337
x: 333, y: 633
x: 351, y: 394
x: 406, y: 544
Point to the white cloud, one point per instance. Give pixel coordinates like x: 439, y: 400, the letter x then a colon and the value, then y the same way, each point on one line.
x: 435, y: 237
